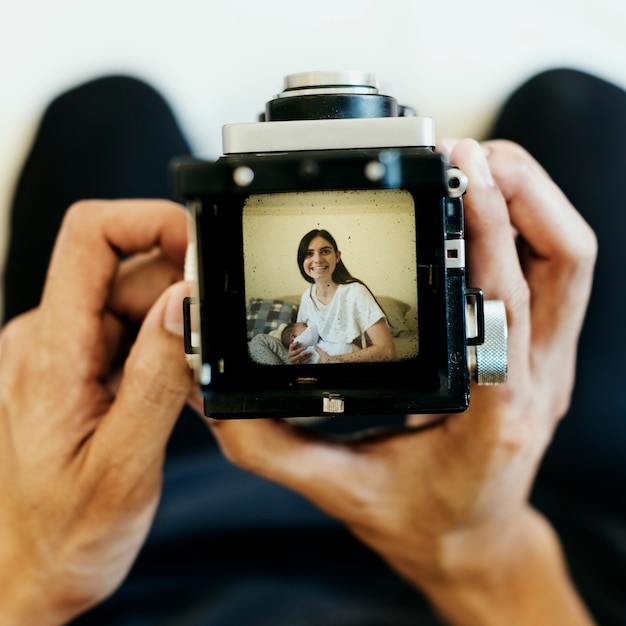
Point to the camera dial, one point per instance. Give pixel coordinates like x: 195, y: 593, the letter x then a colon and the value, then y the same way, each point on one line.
x: 332, y: 95
x: 348, y: 81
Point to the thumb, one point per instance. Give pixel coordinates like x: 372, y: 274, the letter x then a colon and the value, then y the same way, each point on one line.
x: 155, y: 385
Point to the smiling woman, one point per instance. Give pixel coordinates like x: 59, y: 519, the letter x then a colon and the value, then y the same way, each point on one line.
x: 340, y: 307
x: 318, y: 259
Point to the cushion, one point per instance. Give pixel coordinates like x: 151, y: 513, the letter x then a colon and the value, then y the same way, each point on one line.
x: 396, y: 311
x: 265, y: 315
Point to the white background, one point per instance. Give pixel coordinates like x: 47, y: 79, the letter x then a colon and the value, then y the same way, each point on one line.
x: 218, y: 61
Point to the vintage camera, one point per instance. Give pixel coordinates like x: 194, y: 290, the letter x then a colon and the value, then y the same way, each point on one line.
x: 333, y: 154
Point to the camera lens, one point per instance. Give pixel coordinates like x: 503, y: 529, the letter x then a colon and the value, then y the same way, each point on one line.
x: 333, y: 82
x: 330, y: 95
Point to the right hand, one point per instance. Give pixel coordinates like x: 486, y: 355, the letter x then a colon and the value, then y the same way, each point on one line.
x: 447, y: 506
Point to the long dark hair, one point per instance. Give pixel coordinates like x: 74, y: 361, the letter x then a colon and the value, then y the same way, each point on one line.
x: 341, y: 275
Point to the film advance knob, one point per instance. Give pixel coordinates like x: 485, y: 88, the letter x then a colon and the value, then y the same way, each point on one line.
x: 491, y: 356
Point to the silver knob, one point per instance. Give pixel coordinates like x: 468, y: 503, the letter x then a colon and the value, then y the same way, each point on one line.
x: 487, y: 362
x: 342, y: 78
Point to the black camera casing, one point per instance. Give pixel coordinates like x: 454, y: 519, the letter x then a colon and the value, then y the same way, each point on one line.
x: 449, y: 316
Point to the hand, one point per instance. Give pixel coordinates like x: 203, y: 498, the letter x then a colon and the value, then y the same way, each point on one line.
x: 447, y: 505
x: 82, y: 440
x: 298, y: 354
x: 324, y: 357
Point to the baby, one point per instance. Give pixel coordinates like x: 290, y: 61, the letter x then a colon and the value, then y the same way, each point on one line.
x: 308, y: 336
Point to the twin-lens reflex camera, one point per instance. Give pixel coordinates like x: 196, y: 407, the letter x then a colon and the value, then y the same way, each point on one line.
x: 334, y: 156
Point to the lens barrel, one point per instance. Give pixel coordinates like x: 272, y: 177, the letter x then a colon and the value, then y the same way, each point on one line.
x: 330, y: 95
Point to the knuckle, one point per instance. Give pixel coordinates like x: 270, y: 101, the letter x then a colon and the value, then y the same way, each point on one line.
x: 10, y: 332
x: 522, y: 164
x: 511, y: 148
x: 588, y: 246
x: 78, y: 215
x: 16, y: 333
x: 17, y: 367
x: 512, y: 164
x: 561, y: 404
x: 579, y: 253
x: 78, y: 211
x: 161, y: 391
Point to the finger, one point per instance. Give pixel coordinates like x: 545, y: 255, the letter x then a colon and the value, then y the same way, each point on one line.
x: 298, y: 354
x: 139, y: 282
x: 492, y: 258
x: 558, y: 251
x: 155, y: 386
x: 493, y: 265
x: 16, y: 342
x: 446, y: 145
x: 559, y: 247
x: 493, y: 262
x: 84, y: 265
x: 532, y: 195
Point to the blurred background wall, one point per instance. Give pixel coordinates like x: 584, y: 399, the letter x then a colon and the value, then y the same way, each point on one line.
x: 218, y: 61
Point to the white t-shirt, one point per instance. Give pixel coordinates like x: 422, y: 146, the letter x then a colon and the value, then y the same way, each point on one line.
x: 310, y: 338
x: 345, y: 318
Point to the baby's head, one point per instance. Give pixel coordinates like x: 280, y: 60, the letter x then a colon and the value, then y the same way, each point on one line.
x: 291, y: 331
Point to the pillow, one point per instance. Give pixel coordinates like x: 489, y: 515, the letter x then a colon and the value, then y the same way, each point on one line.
x: 396, y: 311
x: 265, y: 315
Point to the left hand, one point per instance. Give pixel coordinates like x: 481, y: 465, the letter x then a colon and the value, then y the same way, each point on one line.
x: 298, y: 354
x: 324, y: 357
x: 87, y: 405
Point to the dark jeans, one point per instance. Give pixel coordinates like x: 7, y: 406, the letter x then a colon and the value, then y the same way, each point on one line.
x: 229, y: 548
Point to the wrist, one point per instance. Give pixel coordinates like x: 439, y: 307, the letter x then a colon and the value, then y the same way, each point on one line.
x: 15, y: 583
x: 504, y: 573
x: 24, y: 595
x: 22, y: 607
x: 18, y: 605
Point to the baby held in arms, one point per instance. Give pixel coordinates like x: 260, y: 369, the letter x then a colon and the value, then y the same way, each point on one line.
x: 299, y: 332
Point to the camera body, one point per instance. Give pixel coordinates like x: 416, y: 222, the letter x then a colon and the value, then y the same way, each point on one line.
x: 333, y: 155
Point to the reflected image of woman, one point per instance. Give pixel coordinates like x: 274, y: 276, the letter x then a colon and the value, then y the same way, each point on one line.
x: 339, y: 306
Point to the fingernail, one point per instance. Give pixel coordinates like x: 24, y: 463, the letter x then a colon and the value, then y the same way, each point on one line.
x: 173, y: 317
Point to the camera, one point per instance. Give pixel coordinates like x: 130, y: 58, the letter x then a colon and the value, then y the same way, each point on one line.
x: 327, y: 259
